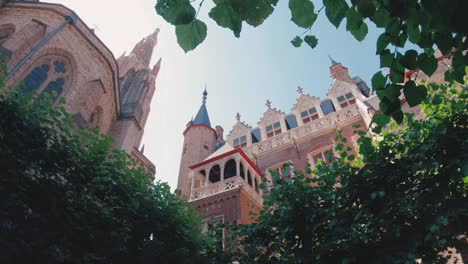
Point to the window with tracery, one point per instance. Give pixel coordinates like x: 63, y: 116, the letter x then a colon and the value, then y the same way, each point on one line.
x: 50, y: 77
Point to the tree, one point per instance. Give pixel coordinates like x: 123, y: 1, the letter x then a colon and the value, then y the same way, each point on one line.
x: 402, y: 199
x: 424, y: 23
x: 67, y: 197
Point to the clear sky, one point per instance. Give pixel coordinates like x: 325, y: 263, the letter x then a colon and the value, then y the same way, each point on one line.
x: 240, y: 74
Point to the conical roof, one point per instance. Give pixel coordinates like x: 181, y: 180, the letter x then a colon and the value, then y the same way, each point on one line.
x: 202, y: 115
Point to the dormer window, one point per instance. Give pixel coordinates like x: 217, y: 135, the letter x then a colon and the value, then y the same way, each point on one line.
x: 240, y: 142
x: 273, y: 130
x: 346, y: 100
x: 309, y: 115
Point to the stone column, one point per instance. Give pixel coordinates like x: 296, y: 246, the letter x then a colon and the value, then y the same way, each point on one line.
x: 207, y: 177
x: 221, y: 173
x: 253, y: 182
x: 237, y: 167
x: 192, y: 177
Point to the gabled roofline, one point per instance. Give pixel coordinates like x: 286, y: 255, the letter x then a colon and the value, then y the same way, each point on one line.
x: 236, y: 150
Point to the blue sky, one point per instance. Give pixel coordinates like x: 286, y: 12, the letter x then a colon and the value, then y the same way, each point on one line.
x: 240, y: 74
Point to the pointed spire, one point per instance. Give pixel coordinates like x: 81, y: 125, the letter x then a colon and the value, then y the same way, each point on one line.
x: 144, y: 49
x: 202, y: 115
x: 333, y: 62
x: 157, y: 67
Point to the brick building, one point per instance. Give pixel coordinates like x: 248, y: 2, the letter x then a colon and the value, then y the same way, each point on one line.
x: 221, y: 177
x: 48, y: 48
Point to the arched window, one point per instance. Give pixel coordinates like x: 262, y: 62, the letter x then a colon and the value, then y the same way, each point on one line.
x: 230, y: 169
x: 49, y: 77
x: 6, y: 32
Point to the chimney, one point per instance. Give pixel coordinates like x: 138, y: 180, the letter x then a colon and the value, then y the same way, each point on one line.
x: 219, y: 133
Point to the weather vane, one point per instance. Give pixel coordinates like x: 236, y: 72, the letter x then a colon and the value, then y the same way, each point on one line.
x: 268, y: 104
x: 238, y: 116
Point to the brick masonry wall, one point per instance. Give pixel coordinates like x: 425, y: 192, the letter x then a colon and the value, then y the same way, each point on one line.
x: 193, y: 152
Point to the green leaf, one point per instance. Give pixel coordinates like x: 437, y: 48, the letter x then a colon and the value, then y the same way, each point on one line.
x: 366, y: 8
x: 176, y: 12
x: 312, y: 41
x: 355, y: 24
x: 381, y: 18
x: 297, y: 41
x: 225, y: 16
x: 335, y: 11
x: 444, y: 41
x: 425, y: 40
x: 381, y: 120
x: 413, y: 33
x: 428, y: 64
x: 302, y: 13
x: 414, y: 94
x: 409, y: 60
x: 378, y: 81
x: 252, y: 12
x: 382, y: 42
x: 386, y: 58
x: 189, y: 36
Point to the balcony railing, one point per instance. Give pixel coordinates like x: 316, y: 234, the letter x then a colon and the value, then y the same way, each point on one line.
x: 226, y: 185
x: 296, y: 133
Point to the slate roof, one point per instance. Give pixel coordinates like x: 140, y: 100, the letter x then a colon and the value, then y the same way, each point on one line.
x: 202, y: 117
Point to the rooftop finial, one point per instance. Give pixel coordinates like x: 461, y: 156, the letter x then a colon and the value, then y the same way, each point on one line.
x: 333, y: 62
x: 205, y: 93
x: 300, y: 90
x: 268, y: 104
x: 238, y: 116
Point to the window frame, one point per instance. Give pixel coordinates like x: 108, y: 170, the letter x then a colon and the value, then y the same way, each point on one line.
x: 271, y: 130
x: 241, y: 142
x: 347, y: 100
x: 307, y: 116
x: 321, y: 153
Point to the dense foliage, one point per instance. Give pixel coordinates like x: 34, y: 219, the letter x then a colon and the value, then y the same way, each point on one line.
x: 67, y: 197
x: 424, y: 23
x: 403, y: 198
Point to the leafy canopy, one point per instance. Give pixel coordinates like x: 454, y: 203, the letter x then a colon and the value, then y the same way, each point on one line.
x: 426, y: 24
x: 68, y: 197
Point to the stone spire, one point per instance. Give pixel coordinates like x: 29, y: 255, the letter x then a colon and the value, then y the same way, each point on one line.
x: 157, y: 67
x: 143, y: 50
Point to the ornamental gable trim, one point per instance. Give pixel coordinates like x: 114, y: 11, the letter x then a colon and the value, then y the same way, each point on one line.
x: 305, y: 102
x: 270, y: 116
x: 238, y: 130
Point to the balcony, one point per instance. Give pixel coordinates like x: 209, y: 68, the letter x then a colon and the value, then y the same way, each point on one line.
x: 223, y: 186
x: 288, y: 137
x: 225, y: 170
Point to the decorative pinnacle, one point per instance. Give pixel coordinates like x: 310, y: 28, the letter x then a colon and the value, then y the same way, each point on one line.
x: 205, y: 93
x: 238, y: 116
x: 268, y: 104
x: 333, y: 62
x: 300, y: 90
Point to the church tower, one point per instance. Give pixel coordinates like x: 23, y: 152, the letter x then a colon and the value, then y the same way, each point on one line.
x: 199, y: 142
x: 137, y: 86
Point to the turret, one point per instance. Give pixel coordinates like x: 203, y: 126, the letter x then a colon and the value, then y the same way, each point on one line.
x: 199, y: 142
x: 339, y: 72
